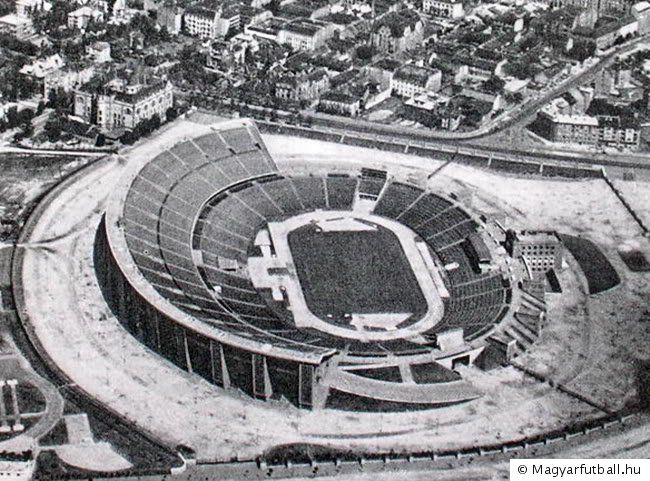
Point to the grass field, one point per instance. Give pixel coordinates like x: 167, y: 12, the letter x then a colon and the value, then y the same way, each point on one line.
x: 354, y: 272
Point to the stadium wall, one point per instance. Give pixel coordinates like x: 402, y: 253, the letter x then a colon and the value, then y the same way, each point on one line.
x: 258, y: 375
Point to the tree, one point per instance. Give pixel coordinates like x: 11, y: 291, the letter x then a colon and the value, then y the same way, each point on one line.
x: 12, y: 117
x: 25, y: 116
x: 364, y: 52
x: 53, y: 128
x: 494, y: 84
x: 171, y: 114
x: 28, y: 129
x: 274, y: 7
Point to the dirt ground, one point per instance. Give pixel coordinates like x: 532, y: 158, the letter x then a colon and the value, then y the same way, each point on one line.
x: 637, y: 194
x: 79, y: 332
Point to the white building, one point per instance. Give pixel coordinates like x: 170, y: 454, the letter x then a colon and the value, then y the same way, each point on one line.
x: 451, y: 9
x: 40, y: 68
x: 99, y: 52
x: 25, y: 8
x: 305, y: 34
x: 16, y: 467
x: 411, y: 80
x: 201, y: 21
x: 122, y: 105
x: 81, y: 17
x: 17, y: 26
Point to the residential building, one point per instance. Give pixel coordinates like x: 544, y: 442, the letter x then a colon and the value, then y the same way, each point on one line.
x: 118, y: 104
x: 268, y: 30
x: 410, y: 80
x: 17, y: 26
x: 225, y: 56
x: 305, y: 34
x: 80, y: 18
x: 16, y: 466
x: 596, y: 130
x: 474, y: 68
x: 99, y: 52
x: 201, y: 20
x: 67, y: 78
x: 170, y: 16
x: 574, y: 129
x: 398, y: 31
x: 38, y: 69
x: 229, y: 21
x: 618, y: 132
x: 252, y: 15
x: 495, y: 99
x: 303, y: 86
x: 26, y: 8
x: 452, y: 9
x: 383, y: 70
x: 339, y: 104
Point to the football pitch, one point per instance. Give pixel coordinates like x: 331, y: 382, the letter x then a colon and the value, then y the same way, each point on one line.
x: 360, y: 272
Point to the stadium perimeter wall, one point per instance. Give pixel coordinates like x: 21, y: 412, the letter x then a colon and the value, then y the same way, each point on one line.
x: 262, y: 376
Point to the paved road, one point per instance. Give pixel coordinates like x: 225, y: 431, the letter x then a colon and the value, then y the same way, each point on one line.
x: 586, y: 75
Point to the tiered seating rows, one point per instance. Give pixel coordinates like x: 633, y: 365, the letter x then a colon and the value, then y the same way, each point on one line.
x: 396, y: 199
x: 370, y: 186
x: 341, y: 191
x: 486, y: 284
x: 424, y: 209
x: 453, y: 235
x: 311, y: 191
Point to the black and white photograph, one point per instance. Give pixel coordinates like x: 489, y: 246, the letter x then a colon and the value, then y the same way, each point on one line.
x: 337, y: 240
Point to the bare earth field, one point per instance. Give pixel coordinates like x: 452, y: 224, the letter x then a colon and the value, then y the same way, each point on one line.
x: 23, y: 178
x: 72, y: 321
x: 637, y: 194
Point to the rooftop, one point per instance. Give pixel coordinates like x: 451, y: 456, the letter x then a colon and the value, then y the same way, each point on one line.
x: 414, y: 74
x: 305, y: 26
x: 536, y: 236
x: 333, y: 96
x: 398, y: 22
x: 15, y: 20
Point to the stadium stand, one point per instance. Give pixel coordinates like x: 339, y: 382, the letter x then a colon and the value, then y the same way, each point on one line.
x: 189, y: 218
x: 311, y: 191
x: 372, y: 183
x: 341, y: 190
x: 396, y: 199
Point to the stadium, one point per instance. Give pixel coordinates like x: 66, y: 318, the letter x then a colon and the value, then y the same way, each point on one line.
x: 271, y: 300
x: 343, y: 290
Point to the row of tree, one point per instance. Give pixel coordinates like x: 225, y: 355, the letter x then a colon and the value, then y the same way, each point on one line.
x: 15, y: 118
x: 147, y: 126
